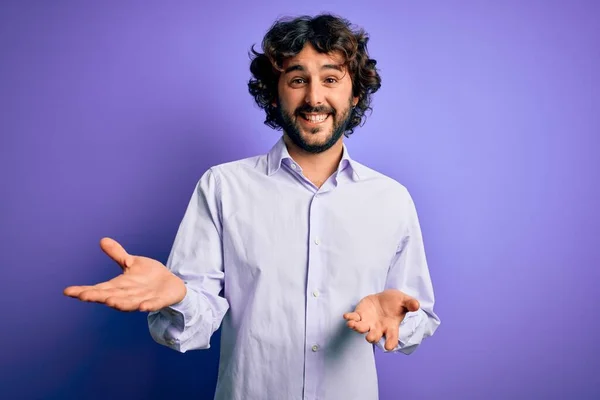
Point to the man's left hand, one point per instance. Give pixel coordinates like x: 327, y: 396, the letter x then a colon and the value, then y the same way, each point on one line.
x: 380, y: 315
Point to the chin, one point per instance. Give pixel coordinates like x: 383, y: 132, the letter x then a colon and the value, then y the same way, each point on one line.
x: 316, y: 139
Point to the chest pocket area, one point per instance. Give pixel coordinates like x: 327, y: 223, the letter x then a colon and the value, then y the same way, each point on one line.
x: 365, y: 245
x: 261, y: 242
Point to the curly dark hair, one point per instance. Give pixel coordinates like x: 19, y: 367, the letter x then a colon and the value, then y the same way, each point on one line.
x: 326, y: 33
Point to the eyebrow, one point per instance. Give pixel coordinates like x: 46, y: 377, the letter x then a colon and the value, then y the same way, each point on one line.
x: 298, y: 67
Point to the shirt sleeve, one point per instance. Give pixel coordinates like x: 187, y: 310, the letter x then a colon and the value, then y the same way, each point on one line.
x: 409, y: 273
x: 197, y: 258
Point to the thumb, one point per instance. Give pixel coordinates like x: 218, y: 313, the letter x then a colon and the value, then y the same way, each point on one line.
x: 115, y: 251
x: 411, y: 304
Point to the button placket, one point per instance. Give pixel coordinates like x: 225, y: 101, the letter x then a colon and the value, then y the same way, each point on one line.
x: 314, y: 311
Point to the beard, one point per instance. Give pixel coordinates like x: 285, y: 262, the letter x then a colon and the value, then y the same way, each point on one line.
x: 289, y: 124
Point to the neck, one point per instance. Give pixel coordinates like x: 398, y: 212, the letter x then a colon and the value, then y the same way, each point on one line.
x: 316, y: 167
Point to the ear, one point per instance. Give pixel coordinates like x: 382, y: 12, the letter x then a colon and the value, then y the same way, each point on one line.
x: 355, y: 101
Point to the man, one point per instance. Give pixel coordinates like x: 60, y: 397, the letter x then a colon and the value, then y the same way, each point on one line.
x: 296, y: 253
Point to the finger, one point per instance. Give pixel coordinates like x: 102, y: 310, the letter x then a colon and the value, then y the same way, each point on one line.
x: 101, y: 295
x: 391, y: 338
x: 124, y: 303
x: 374, y: 335
x: 352, y: 316
x: 73, y: 291
x: 118, y: 282
x: 153, y: 304
x: 360, y: 326
x: 411, y: 304
x: 115, y: 251
x: 97, y: 296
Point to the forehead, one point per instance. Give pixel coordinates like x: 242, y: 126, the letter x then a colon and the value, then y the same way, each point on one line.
x: 309, y: 57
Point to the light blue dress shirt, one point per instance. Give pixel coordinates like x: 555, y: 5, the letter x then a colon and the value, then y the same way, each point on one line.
x: 277, y: 262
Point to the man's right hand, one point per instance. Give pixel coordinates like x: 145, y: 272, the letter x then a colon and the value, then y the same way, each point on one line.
x: 144, y: 285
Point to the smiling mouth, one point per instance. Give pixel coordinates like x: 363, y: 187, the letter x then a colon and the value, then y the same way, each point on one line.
x: 315, y: 118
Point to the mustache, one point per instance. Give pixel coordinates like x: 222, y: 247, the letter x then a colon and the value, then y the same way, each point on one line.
x: 306, y: 109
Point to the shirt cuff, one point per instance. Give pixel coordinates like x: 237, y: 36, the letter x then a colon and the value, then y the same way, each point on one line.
x: 182, y: 313
x: 408, y: 327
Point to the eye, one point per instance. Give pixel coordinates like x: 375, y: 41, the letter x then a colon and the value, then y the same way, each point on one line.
x: 331, y: 80
x: 298, y: 81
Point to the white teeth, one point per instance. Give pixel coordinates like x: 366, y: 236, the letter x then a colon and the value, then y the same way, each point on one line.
x: 317, y: 118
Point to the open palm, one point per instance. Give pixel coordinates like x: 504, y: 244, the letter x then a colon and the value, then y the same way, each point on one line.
x: 380, y: 315
x: 144, y: 285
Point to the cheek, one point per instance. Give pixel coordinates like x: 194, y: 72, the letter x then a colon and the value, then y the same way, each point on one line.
x: 342, y: 101
x: 293, y: 97
x: 290, y: 99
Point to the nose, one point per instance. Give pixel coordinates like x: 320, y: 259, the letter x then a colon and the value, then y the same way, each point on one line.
x: 314, y: 94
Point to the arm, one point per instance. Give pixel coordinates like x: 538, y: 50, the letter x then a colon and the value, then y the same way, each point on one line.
x: 196, y: 258
x: 409, y: 274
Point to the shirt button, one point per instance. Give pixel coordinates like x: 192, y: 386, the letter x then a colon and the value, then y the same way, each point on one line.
x: 316, y: 293
x: 170, y: 341
x: 315, y: 348
x: 317, y: 241
x: 293, y: 166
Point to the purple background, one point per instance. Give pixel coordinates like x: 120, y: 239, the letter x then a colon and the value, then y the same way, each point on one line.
x: 489, y: 114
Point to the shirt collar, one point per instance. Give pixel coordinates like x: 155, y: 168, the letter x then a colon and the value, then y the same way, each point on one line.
x: 279, y: 154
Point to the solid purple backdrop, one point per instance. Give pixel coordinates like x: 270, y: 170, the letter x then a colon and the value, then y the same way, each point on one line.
x: 489, y: 114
